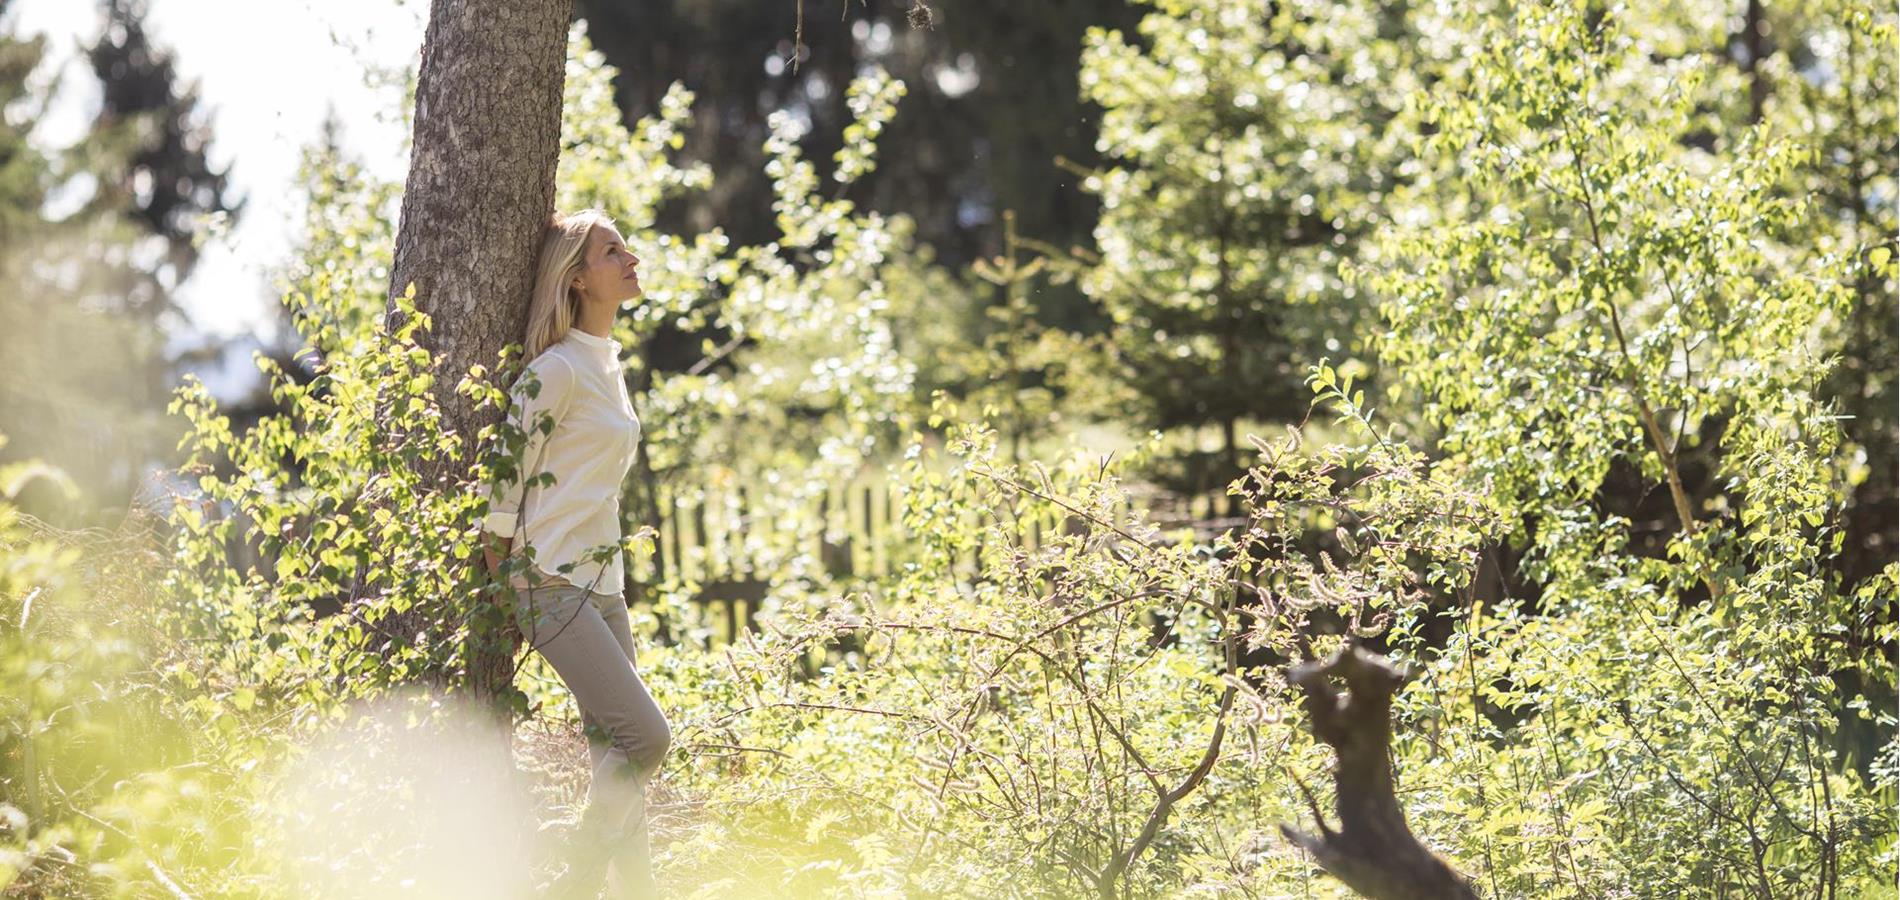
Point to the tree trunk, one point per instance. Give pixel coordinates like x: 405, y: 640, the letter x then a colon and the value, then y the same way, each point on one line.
x: 481, y: 178
x: 1373, y: 850
x: 1753, y: 21
x: 478, y: 196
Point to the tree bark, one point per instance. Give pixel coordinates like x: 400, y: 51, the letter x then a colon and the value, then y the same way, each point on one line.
x: 481, y: 178
x: 1373, y: 851
x: 479, y: 193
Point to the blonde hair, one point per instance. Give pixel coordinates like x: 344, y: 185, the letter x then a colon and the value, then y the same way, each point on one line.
x: 553, y: 306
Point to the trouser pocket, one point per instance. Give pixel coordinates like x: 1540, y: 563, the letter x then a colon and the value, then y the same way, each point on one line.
x: 544, y: 612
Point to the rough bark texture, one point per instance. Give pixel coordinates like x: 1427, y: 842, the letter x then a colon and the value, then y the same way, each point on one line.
x: 1372, y: 850
x: 479, y: 192
x: 481, y: 177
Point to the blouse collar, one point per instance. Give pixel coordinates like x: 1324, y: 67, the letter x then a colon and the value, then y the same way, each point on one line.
x: 594, y: 341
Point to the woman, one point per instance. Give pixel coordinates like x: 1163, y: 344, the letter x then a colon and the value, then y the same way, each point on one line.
x: 581, y: 428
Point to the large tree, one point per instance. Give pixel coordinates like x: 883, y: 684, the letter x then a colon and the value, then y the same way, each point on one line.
x: 479, y: 192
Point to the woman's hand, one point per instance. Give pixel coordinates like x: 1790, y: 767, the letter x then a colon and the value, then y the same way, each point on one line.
x: 494, y: 552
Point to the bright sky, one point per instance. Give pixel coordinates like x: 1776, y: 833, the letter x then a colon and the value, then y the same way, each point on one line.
x: 267, y: 72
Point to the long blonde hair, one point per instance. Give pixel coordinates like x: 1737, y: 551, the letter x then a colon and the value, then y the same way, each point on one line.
x: 553, y: 306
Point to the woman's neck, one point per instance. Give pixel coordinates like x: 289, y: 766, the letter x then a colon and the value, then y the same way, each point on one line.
x: 596, y: 319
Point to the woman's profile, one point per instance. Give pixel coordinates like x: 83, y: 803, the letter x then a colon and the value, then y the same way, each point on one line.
x: 571, y: 403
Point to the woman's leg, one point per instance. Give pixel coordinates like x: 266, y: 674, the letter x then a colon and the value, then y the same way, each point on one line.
x: 569, y: 630
x: 631, y: 875
x: 614, y: 612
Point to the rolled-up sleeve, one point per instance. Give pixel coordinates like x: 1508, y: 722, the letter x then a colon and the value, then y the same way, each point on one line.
x: 538, y: 402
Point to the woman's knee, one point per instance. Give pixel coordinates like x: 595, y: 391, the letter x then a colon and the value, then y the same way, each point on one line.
x: 659, y: 741
x: 645, y: 740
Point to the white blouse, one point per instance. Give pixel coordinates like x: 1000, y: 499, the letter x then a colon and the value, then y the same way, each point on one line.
x: 589, y: 451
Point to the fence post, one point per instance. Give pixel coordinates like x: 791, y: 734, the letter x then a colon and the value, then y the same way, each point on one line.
x: 870, y: 536
x: 835, y: 557
x: 679, y: 540
x: 742, y: 525
x: 699, y: 538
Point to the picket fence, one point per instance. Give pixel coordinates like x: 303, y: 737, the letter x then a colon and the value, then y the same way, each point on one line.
x: 855, y: 532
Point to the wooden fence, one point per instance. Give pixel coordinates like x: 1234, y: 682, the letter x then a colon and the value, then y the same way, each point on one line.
x: 854, y: 530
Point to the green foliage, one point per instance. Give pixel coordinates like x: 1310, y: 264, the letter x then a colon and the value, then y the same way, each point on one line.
x: 1615, y: 296
x: 326, y: 495
x: 1834, y: 87
x: 111, y: 782
x: 1000, y: 357
x: 1250, y: 151
x: 993, y: 105
x: 1094, y: 714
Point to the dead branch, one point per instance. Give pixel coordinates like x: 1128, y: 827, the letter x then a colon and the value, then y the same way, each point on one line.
x: 1372, y: 851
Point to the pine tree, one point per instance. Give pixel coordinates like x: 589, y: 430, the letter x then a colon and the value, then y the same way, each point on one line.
x: 165, y: 181
x: 1248, y: 154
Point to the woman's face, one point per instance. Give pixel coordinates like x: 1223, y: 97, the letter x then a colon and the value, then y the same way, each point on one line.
x: 609, y: 271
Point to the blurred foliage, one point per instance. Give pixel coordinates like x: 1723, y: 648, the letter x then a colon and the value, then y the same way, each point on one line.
x: 95, y: 238
x: 116, y: 779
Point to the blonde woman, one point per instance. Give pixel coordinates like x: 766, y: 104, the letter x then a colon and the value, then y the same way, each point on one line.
x: 572, y: 404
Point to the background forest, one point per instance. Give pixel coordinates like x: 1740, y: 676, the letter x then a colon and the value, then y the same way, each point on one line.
x: 1036, y: 397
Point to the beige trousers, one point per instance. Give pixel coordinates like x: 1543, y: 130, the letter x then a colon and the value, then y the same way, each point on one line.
x: 586, y: 637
